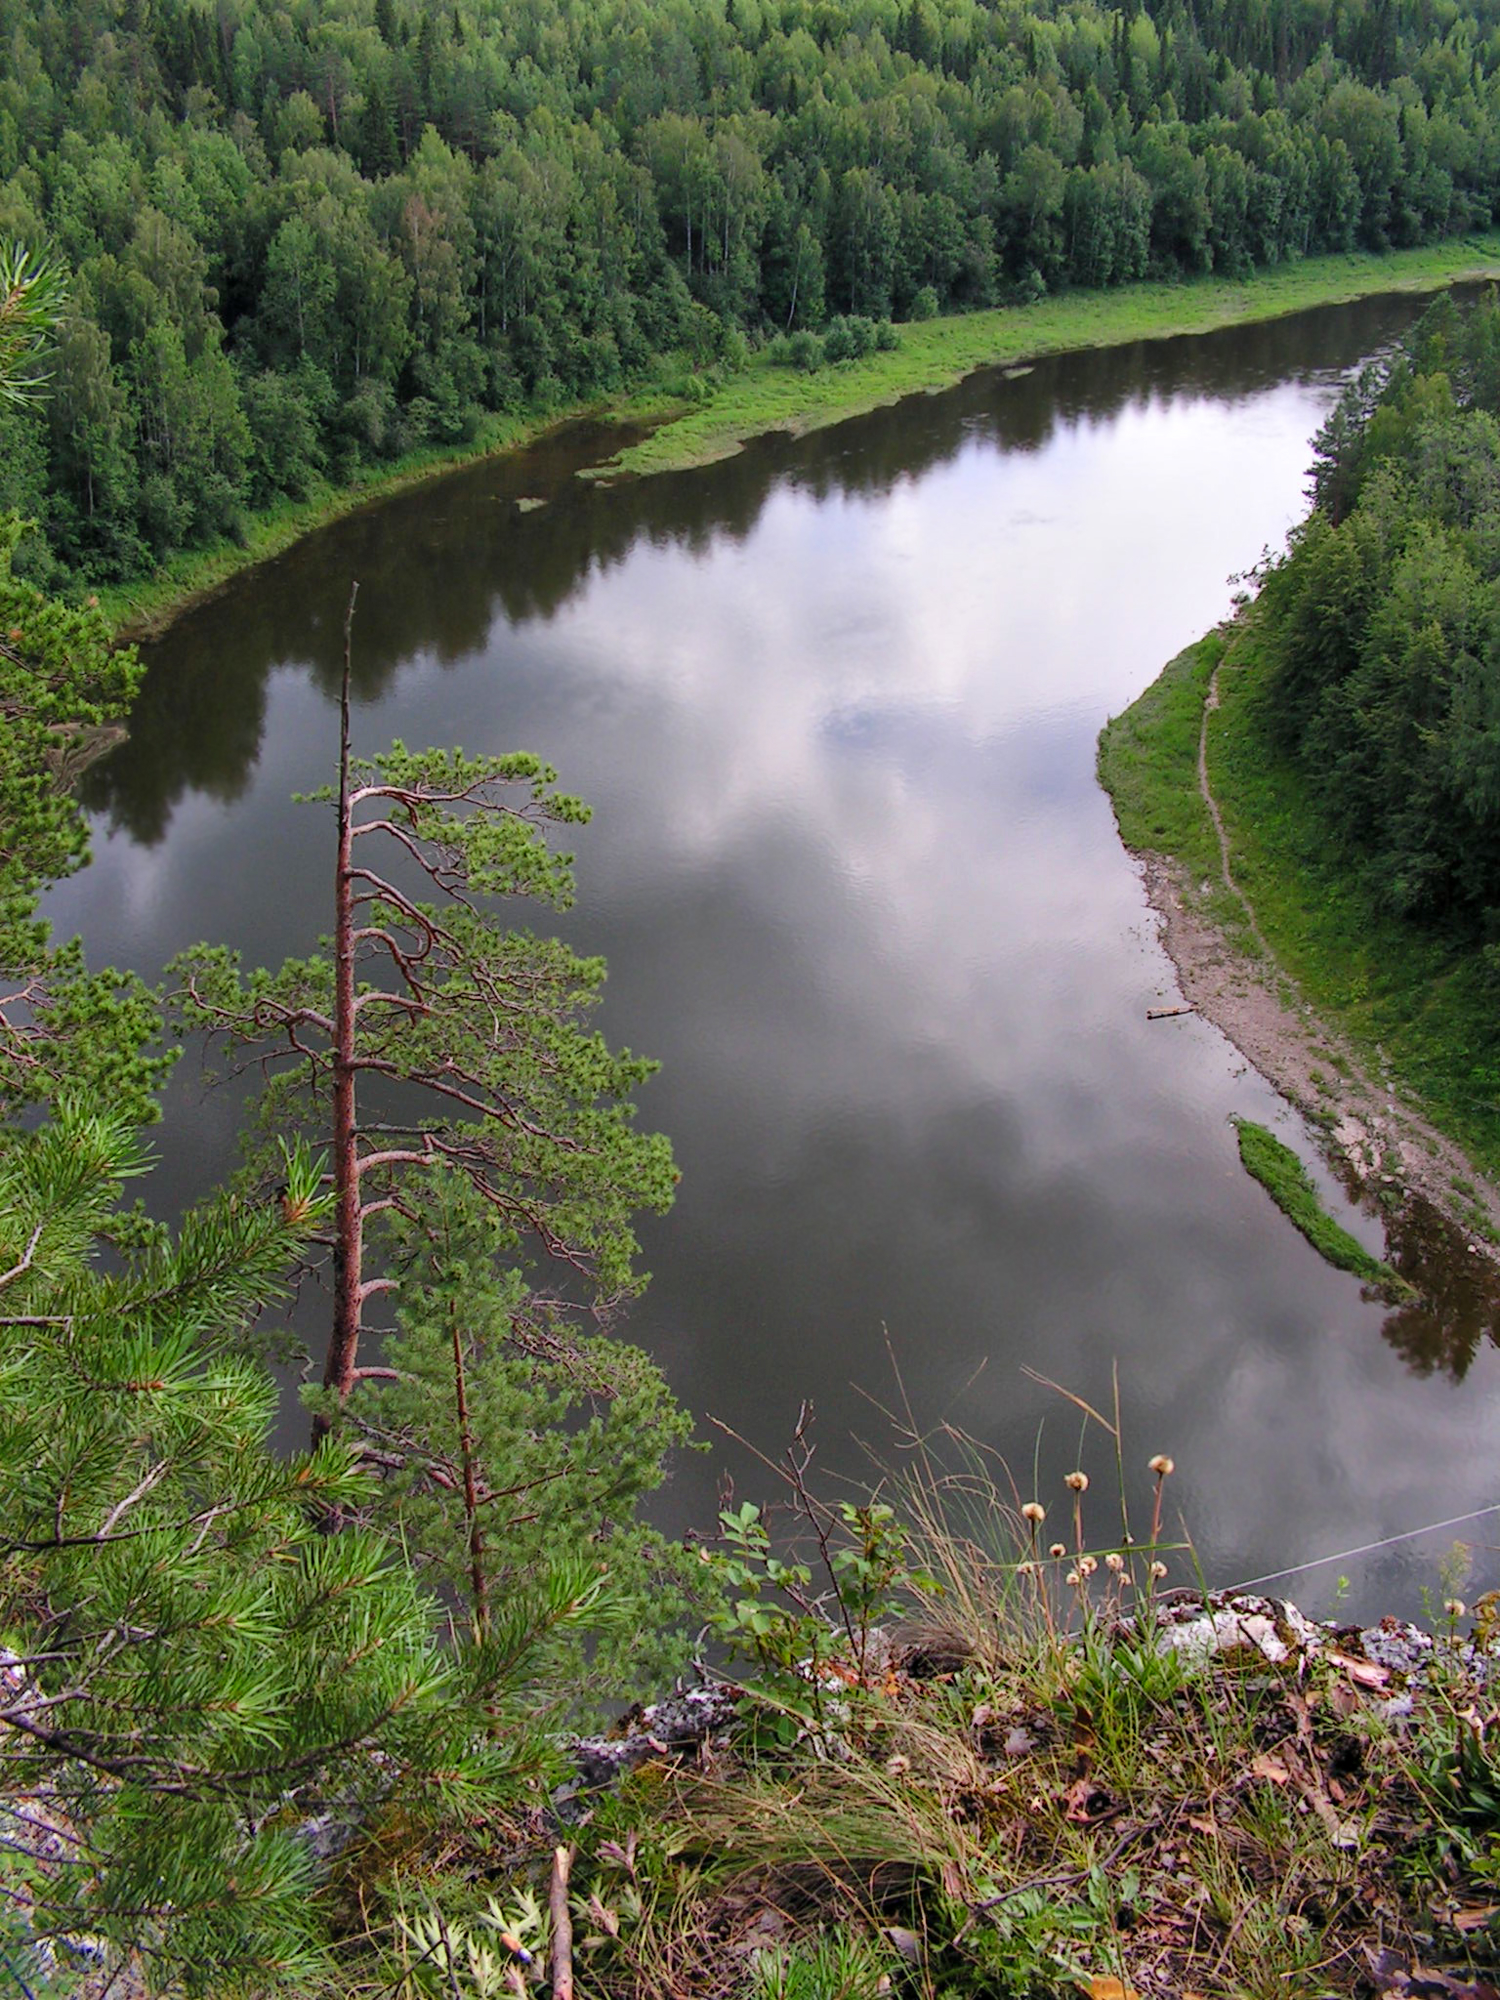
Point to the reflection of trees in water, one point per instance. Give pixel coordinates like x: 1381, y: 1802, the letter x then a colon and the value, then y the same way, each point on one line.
x: 1459, y: 1294
x: 197, y: 727
x: 436, y: 565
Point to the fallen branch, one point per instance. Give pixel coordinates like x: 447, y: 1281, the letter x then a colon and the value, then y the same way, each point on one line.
x: 562, y: 1925
x: 1167, y: 1013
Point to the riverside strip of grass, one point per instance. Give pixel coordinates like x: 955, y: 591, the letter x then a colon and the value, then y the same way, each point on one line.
x: 1418, y: 1009
x: 1290, y: 1186
x: 933, y: 354
x: 1148, y: 762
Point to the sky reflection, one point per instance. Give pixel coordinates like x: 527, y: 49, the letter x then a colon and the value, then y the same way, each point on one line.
x: 835, y: 705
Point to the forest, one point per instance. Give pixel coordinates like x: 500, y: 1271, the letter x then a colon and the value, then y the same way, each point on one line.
x: 304, y: 240
x: 1380, y: 630
x: 282, y: 1711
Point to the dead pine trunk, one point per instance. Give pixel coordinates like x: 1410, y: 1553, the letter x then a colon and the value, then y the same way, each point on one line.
x: 339, y: 1372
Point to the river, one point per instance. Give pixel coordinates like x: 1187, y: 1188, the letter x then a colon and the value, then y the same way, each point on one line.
x: 835, y: 704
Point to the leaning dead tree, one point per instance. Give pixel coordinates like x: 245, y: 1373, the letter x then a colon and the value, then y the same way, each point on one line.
x: 433, y: 1040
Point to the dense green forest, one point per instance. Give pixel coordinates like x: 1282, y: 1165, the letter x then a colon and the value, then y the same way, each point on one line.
x: 306, y: 239
x: 1381, y: 629
x: 279, y: 1710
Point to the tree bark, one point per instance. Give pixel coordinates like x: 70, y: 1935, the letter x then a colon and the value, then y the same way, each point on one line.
x: 477, y: 1579
x: 562, y: 1925
x: 348, y: 1253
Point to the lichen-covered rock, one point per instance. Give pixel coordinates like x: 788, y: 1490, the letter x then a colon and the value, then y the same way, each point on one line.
x: 677, y: 1723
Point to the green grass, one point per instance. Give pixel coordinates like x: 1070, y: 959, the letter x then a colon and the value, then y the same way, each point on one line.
x: 933, y: 355
x: 1290, y: 1186
x: 1413, y: 1003
x: 1148, y: 762
x: 1415, y: 1007
x: 1027, y: 1792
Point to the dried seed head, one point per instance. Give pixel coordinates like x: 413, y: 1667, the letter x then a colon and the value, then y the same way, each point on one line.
x: 1158, y: 1570
x: 1028, y: 1569
x: 1034, y: 1512
x: 1115, y: 1561
x: 1087, y: 1565
x: 1057, y: 1551
x: 1077, y: 1482
x: 1073, y: 1579
x: 1454, y: 1607
x: 1162, y: 1466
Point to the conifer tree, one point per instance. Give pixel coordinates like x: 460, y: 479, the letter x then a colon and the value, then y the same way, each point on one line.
x: 198, y: 1689
x: 33, y: 293
x: 63, y: 692
x: 504, y: 1459
x: 431, y: 1041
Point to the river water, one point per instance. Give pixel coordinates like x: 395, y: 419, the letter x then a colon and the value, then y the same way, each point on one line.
x: 835, y: 705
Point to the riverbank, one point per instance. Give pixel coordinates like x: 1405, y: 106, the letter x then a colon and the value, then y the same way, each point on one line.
x: 1380, y: 1038
x: 932, y: 355
x: 935, y: 354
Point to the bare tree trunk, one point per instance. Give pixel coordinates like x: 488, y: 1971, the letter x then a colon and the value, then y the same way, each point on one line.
x: 471, y: 1491
x: 348, y: 1251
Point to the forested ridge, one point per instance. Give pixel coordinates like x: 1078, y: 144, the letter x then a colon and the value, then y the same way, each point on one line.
x: 305, y: 239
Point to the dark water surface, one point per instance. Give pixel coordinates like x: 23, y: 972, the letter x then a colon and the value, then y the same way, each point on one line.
x: 835, y: 705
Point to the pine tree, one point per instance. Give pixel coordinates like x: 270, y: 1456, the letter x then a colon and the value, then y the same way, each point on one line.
x: 196, y: 1682
x: 467, y: 1057
x: 507, y: 1459
x: 63, y: 692
x: 33, y: 293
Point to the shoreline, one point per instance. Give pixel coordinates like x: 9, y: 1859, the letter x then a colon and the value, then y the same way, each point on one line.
x: 1378, y: 1137
x: 933, y: 355
x: 1373, y: 1138
x: 937, y: 354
